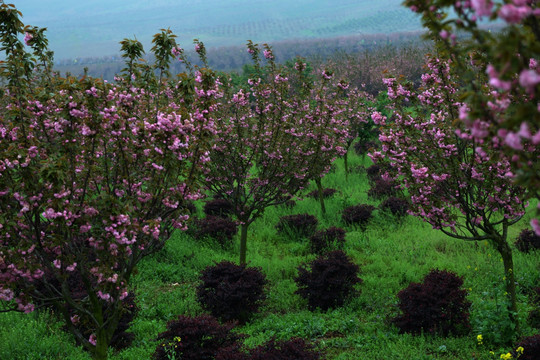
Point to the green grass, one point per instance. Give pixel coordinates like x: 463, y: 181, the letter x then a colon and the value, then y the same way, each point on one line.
x: 390, y: 253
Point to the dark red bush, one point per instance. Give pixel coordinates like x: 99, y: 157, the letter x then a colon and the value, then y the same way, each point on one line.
x: 528, y: 241
x: 436, y: 306
x: 218, y: 207
x: 531, y: 347
x: 373, y: 172
x: 362, y: 147
x: 328, y: 192
x: 293, y: 349
x: 195, y: 338
x: 231, y: 292
x: 217, y: 227
x: 381, y: 189
x: 358, y: 214
x: 397, y: 206
x: 327, y: 281
x: 324, y: 240
x: 302, y: 225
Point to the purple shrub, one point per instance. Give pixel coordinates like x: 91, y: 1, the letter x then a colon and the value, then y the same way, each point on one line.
x: 195, y: 338
x: 327, y: 281
x: 531, y: 347
x: 381, y: 189
x: 218, y: 207
x: 332, y: 238
x: 435, y: 306
x: 302, y: 225
x: 528, y: 241
x: 397, y: 206
x: 216, y: 227
x: 373, y: 172
x: 358, y: 214
x: 231, y: 292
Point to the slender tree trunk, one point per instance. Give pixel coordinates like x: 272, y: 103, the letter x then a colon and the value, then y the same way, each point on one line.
x: 510, y: 282
x: 243, y: 242
x: 321, y: 197
x: 346, y: 163
x: 102, y: 345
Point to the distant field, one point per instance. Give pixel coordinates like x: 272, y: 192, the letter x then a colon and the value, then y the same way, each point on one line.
x: 94, y: 28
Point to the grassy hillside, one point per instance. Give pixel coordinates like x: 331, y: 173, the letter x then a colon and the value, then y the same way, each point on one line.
x: 391, y: 253
x: 94, y: 28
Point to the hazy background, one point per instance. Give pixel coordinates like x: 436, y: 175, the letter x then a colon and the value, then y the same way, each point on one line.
x: 93, y: 28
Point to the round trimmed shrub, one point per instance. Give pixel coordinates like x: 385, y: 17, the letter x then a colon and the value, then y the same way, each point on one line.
x: 220, y: 228
x: 231, y: 292
x: 293, y: 349
x: 528, y: 241
x: 218, y: 207
x: 531, y: 347
x: 436, y: 306
x: 396, y: 206
x: 302, y: 225
x: 327, y: 281
x: 328, y: 192
x: 358, y: 214
x: 195, y: 338
x: 381, y: 189
x: 373, y: 172
x: 331, y: 238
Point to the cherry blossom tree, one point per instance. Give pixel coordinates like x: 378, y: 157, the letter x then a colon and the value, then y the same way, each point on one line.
x: 272, y: 140
x: 507, y: 117
x: 93, y: 177
x: 455, y: 183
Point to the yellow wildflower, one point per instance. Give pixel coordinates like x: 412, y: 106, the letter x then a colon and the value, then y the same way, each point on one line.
x: 479, y: 338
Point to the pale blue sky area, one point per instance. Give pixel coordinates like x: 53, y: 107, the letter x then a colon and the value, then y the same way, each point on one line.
x: 94, y: 27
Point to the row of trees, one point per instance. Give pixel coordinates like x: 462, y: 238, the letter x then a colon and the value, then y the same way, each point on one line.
x: 95, y: 175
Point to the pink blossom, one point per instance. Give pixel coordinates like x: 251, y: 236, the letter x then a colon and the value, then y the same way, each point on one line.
x: 535, y: 224
x: 482, y: 7
x: 268, y: 54
x: 514, y: 141
x: 444, y: 34
x: 27, y: 38
x: 514, y: 14
x: 71, y: 267
x: 93, y: 339
x: 529, y: 79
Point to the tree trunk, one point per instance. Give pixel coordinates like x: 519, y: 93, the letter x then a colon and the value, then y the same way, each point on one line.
x: 102, y: 345
x: 321, y: 197
x: 510, y: 283
x: 243, y: 242
x: 346, y: 163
